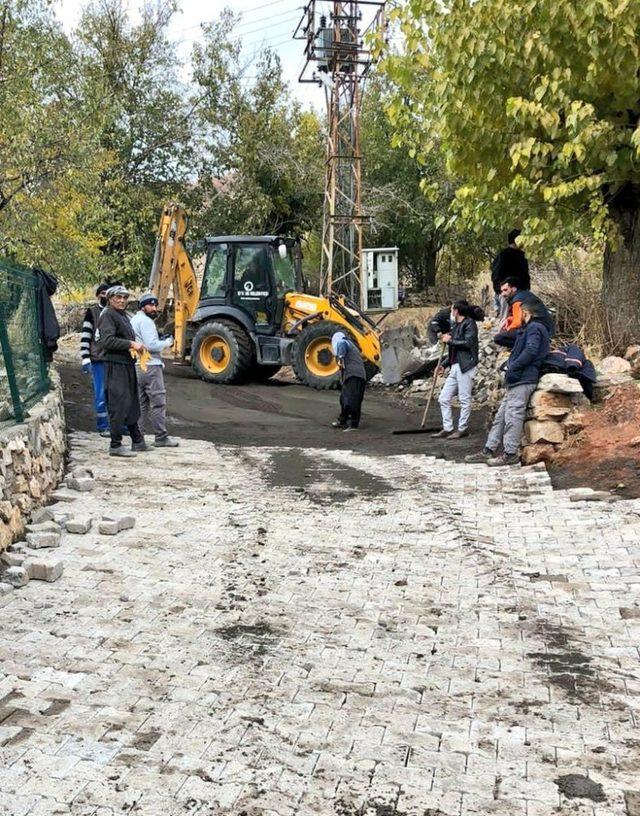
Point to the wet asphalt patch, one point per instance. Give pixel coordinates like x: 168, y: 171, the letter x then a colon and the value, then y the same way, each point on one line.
x: 322, y: 479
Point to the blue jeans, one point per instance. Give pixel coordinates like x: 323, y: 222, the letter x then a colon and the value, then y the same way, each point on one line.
x: 99, y: 399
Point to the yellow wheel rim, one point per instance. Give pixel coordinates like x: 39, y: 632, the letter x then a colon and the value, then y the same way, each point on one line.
x: 319, y: 358
x: 215, y: 354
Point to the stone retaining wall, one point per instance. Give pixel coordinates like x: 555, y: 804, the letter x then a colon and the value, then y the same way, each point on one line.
x: 32, y: 459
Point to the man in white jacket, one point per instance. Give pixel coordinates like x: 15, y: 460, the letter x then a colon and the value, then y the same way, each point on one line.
x: 151, y: 391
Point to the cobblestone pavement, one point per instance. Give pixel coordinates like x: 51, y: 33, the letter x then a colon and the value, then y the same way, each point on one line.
x: 297, y: 631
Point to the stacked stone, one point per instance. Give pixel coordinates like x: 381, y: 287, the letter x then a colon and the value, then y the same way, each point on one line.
x: 554, y: 413
x: 31, y: 463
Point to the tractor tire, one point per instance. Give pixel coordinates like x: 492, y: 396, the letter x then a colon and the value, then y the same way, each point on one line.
x: 222, y: 352
x: 313, y: 361
x: 261, y: 373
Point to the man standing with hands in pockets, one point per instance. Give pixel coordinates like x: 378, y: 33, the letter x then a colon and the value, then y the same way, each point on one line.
x: 117, y: 340
x: 151, y: 391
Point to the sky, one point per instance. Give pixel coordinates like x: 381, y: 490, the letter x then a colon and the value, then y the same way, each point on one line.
x: 264, y: 23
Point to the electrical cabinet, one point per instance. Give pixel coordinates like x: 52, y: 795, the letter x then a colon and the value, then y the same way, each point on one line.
x: 380, y: 268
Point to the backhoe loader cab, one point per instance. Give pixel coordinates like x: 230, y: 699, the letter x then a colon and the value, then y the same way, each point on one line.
x: 252, y: 315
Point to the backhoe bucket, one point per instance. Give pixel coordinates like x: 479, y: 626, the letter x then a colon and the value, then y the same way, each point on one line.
x: 398, y: 359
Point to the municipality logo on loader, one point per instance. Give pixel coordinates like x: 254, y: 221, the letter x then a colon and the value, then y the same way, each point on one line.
x: 248, y: 291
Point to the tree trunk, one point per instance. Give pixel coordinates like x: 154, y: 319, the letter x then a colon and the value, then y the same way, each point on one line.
x: 621, y: 276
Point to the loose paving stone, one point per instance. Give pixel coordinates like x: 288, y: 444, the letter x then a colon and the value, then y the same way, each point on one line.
x: 12, y: 559
x: 16, y: 576
x: 42, y: 540
x: 378, y: 635
x: 43, y: 527
x: 112, y: 524
x: 41, y: 514
x: 79, y: 524
x: 5, y: 588
x: 44, y: 569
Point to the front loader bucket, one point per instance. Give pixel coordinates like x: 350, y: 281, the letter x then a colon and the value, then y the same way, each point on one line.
x: 397, y: 354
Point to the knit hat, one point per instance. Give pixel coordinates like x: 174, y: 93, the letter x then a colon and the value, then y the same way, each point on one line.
x: 117, y: 290
x: 147, y: 299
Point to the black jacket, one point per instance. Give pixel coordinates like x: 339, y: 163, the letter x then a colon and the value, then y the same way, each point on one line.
x: 530, y: 349
x: 463, y: 346
x: 114, y: 335
x: 48, y: 326
x: 510, y: 262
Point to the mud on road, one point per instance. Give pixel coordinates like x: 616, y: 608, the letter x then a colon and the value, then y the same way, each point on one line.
x: 277, y: 413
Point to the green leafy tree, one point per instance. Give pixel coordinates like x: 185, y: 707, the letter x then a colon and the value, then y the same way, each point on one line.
x: 49, y: 156
x: 537, y: 108
x: 262, y: 159
x: 133, y: 92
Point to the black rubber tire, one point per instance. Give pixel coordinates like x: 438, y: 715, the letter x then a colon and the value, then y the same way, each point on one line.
x: 242, y: 352
x: 261, y: 373
x: 323, y: 328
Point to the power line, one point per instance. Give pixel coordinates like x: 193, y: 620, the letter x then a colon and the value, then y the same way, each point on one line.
x: 289, y: 13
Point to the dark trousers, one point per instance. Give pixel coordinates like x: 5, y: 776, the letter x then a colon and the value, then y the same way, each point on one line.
x: 121, y: 390
x: 351, y: 397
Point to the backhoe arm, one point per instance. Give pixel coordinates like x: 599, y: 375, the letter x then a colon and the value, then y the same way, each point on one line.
x: 172, y: 267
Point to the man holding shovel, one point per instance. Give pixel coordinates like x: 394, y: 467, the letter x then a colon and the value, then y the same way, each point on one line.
x: 461, y: 362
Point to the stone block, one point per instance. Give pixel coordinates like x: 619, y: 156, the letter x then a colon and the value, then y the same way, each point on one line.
x: 537, y: 431
x: 549, y: 405
x: 16, y: 576
x: 79, y: 525
x: 12, y: 559
x: 83, y: 484
x: 559, y: 384
x: 43, y: 527
x: 110, y: 525
x: 63, y: 495
x: 41, y: 514
x: 5, y: 589
x: 44, y: 569
x: 541, y: 452
x: 35, y: 488
x: 40, y: 540
x: 613, y: 366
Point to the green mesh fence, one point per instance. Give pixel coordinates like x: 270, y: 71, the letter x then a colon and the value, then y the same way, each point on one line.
x: 23, y: 371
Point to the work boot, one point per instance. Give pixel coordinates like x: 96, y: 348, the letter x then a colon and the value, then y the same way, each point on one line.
x: 350, y: 428
x: 139, y: 447
x: 166, y: 442
x: 459, y: 434
x: 338, y: 423
x: 106, y: 434
x: 504, y: 459
x: 121, y: 451
x: 484, y: 455
x: 442, y: 434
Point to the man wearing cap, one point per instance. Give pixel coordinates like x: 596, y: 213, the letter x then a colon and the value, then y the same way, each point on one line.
x: 117, y: 340
x: 92, y: 358
x: 151, y: 391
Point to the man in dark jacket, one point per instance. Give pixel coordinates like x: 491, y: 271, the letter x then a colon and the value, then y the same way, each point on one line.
x: 571, y: 360
x: 516, y: 299
x: 510, y: 262
x: 93, y: 358
x: 353, y: 381
x: 461, y: 361
x: 117, y: 340
x: 522, y: 375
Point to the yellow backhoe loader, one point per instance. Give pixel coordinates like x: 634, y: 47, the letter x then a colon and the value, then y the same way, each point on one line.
x: 251, y: 315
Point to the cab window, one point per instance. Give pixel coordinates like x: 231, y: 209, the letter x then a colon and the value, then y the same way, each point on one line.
x: 285, y: 273
x: 213, y: 283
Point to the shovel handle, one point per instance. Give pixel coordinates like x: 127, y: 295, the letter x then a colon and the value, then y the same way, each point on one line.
x: 433, y: 386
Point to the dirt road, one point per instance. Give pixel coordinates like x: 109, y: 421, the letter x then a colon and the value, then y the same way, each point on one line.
x: 275, y: 413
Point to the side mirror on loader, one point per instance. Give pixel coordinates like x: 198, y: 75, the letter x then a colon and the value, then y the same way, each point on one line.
x: 282, y: 251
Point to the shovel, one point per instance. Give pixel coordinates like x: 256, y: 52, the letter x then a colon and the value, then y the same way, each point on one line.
x: 422, y: 428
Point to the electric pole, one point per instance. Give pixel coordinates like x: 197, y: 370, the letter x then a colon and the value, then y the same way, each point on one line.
x: 338, y: 58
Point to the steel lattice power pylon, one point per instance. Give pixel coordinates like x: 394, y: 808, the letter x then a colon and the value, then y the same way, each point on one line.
x: 337, y: 57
